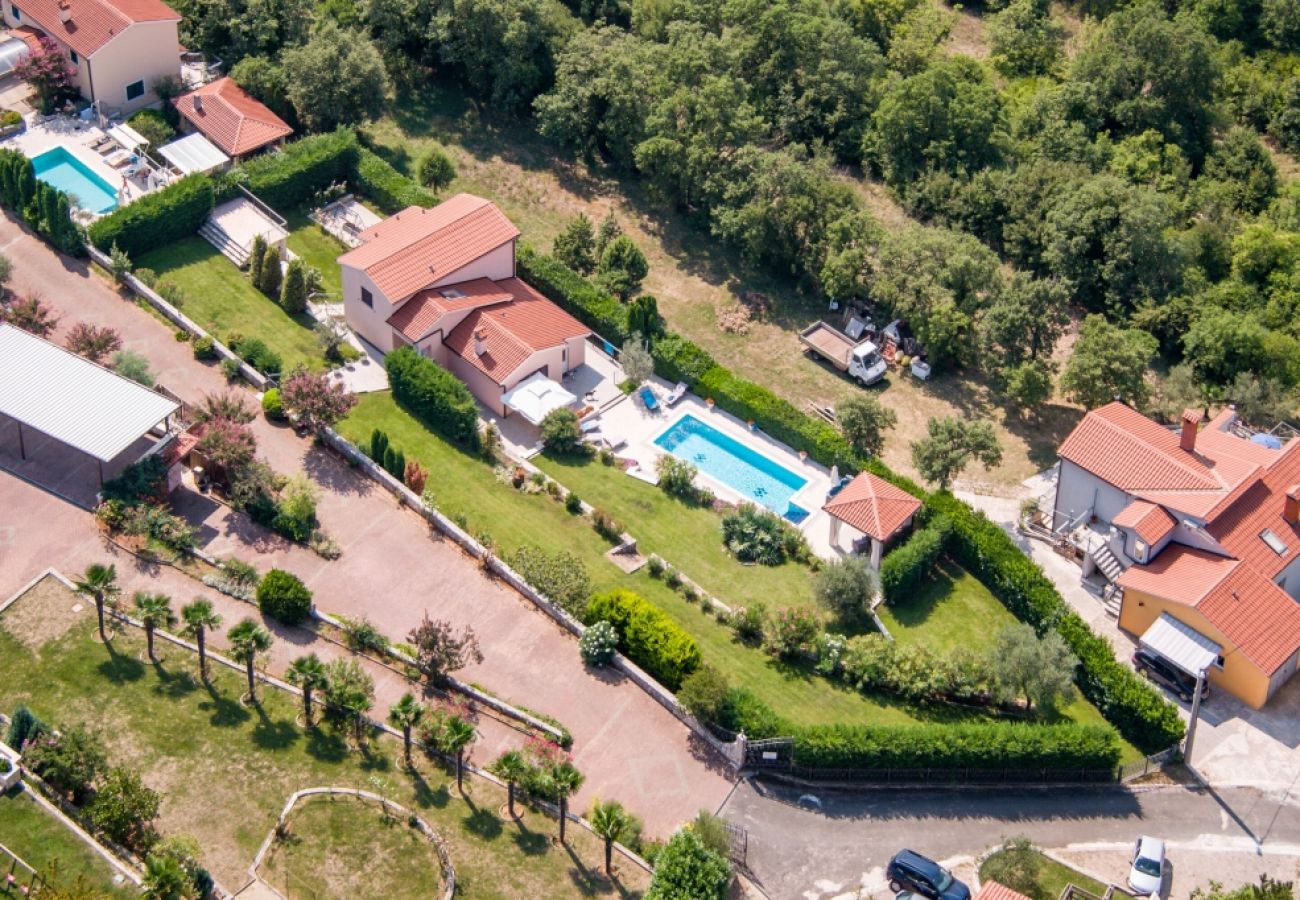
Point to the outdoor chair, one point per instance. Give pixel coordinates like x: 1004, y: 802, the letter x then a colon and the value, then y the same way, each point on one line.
x: 648, y: 398
x: 676, y: 393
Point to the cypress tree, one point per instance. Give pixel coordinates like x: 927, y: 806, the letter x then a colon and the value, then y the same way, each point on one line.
x: 49, y: 212
x: 26, y: 182
x: 270, y: 283
x: 255, y: 258
x: 293, y: 296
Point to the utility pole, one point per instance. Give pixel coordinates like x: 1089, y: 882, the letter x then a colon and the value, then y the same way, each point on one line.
x: 1196, y: 714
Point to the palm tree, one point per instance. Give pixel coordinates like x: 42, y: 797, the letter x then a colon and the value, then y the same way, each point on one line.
x: 155, y: 611
x: 611, y: 823
x: 457, y: 735
x: 247, y: 639
x: 99, y: 582
x: 200, y: 618
x: 165, y: 879
x: 512, y: 768
x: 564, y: 780
x: 405, y: 714
x: 307, y: 673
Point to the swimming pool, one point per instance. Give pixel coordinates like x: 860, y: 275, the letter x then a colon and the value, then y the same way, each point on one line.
x: 739, y: 467
x: 58, y: 167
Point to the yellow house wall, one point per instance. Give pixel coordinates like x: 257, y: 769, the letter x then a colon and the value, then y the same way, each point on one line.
x: 1239, y: 676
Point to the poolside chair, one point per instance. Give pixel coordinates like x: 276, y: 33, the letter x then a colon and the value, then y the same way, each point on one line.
x: 648, y: 398
x: 676, y: 393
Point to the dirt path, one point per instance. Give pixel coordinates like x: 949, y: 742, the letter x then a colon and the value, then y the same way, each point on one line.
x: 392, y: 571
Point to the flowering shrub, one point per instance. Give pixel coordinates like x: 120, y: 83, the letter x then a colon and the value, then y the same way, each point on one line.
x: 791, y: 632
x: 828, y: 651
x: 598, y: 644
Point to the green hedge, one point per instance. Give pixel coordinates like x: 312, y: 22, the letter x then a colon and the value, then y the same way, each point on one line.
x: 908, y: 566
x: 957, y: 746
x: 649, y: 637
x: 433, y: 395
x: 289, y: 178
x: 1141, y: 714
x: 386, y: 187
x: 163, y: 217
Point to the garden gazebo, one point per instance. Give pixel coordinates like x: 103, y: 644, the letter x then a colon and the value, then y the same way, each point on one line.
x: 873, y: 507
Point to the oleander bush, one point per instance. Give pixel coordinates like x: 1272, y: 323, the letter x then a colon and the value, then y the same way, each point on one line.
x: 598, y: 644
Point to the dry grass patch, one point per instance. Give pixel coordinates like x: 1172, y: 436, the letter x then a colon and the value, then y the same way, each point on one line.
x: 46, y: 611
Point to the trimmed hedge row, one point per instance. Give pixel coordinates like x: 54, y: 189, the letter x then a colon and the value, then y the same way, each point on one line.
x: 289, y: 178
x: 159, y: 218
x: 649, y: 637
x: 386, y: 187
x: 906, y: 567
x: 433, y: 395
x: 957, y: 746
x: 1142, y: 716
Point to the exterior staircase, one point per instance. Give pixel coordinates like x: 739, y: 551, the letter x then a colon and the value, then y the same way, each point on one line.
x: 1111, y: 599
x: 215, y: 235
x: 1107, y: 564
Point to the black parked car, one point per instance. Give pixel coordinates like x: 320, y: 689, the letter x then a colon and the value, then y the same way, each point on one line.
x: 911, y: 871
x: 1158, y: 669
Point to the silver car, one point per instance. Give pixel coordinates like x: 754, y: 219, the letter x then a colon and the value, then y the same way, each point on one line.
x: 1147, y: 875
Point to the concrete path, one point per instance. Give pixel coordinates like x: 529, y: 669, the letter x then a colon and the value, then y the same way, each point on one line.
x: 814, y: 843
x: 392, y: 571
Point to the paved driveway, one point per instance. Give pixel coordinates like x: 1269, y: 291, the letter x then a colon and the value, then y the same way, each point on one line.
x: 393, y: 570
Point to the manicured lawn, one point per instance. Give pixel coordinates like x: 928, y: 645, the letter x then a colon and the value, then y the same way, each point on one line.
x: 43, y: 842
x: 689, y: 537
x: 225, y: 770
x: 943, y: 613
x: 1048, y: 878
x: 317, y: 248
x: 219, y: 296
x: 343, y: 847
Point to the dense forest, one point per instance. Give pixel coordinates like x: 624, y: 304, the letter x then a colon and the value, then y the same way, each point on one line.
x: 1129, y: 170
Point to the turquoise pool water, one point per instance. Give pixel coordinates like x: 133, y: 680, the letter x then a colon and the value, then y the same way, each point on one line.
x: 739, y: 467
x: 64, y: 171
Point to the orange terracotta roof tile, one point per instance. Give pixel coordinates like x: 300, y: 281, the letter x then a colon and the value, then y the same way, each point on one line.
x: 513, y: 331
x: 418, y: 247
x: 1259, y: 509
x: 418, y: 317
x: 29, y: 36
x: 93, y: 23
x: 992, y: 890
x: 231, y: 118
x: 1150, y: 522
x: 1257, y: 616
x: 873, y: 506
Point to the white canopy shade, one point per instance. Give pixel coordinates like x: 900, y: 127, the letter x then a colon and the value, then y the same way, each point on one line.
x: 12, y: 53
x: 72, y: 400
x: 127, y: 136
x: 194, y: 153
x: 536, y: 396
x: 1181, y: 644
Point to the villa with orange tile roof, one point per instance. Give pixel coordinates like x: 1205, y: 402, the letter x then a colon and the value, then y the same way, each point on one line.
x: 227, y: 115
x: 442, y: 280
x: 117, y: 48
x: 1199, y: 525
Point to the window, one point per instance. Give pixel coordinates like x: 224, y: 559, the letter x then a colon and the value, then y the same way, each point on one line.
x: 1140, y: 548
x: 1274, y: 542
x: 15, y: 12
x: 72, y: 55
x: 452, y: 293
x: 135, y: 89
x: 1218, y: 662
x: 367, y: 298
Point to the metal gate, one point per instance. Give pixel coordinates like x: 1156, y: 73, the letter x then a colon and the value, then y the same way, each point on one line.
x: 739, y: 844
x: 772, y: 753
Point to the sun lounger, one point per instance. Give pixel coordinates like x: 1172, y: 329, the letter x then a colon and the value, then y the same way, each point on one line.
x: 590, y: 425
x: 648, y: 398
x: 676, y: 393
x: 118, y: 158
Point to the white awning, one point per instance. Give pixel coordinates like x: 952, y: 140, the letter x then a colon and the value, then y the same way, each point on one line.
x: 194, y: 153
x: 1181, y: 644
x: 127, y: 136
x: 536, y: 396
x: 74, y: 401
x: 12, y: 52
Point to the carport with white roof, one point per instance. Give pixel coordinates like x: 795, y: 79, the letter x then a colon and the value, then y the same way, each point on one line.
x: 58, y: 411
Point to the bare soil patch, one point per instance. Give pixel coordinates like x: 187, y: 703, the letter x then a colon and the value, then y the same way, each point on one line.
x: 45, y: 611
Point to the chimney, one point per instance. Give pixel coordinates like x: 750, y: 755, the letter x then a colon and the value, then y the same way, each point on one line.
x: 1291, y: 512
x: 480, y: 342
x: 198, y: 103
x: 65, y: 11
x: 1191, y: 419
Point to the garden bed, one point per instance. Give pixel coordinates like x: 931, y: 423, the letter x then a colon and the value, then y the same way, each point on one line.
x: 1035, y: 875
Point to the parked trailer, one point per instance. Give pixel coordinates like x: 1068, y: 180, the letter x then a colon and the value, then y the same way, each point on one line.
x: 858, y: 359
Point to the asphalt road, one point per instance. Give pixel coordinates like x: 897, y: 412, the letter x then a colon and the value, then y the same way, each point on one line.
x: 817, y: 843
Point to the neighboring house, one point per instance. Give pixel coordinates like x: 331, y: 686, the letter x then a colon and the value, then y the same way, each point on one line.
x: 442, y: 280
x: 875, y: 508
x: 117, y: 48
x: 229, y: 117
x: 992, y: 890
x: 1203, y: 524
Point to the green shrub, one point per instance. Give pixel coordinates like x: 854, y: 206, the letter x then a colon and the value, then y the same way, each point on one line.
x: 147, y: 277
x: 433, y: 395
x: 561, y: 576
x: 378, y: 449
x: 655, y: 566
x: 230, y: 368
x: 759, y: 535
x: 561, y: 433
x: 151, y: 125
x: 362, y: 636
x: 908, y: 566
x: 271, y: 404
x: 204, y: 348
x: 705, y: 693
x: 606, y: 525
x: 289, y: 178
x: 254, y: 351
x: 791, y: 631
x: 687, y: 868
x: 598, y: 644
x: 436, y: 170
x: 649, y: 637
x: 141, y: 482
x: 10, y: 117
x: 1142, y: 716
x: 386, y: 187
x: 573, y: 503
x: 749, y: 622
x: 159, y: 218
x: 282, y: 596
x: 23, y: 726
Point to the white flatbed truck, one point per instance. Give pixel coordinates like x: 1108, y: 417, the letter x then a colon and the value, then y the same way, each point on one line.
x: 858, y: 359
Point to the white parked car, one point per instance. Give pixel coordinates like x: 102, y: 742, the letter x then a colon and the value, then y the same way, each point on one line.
x: 1147, y: 876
